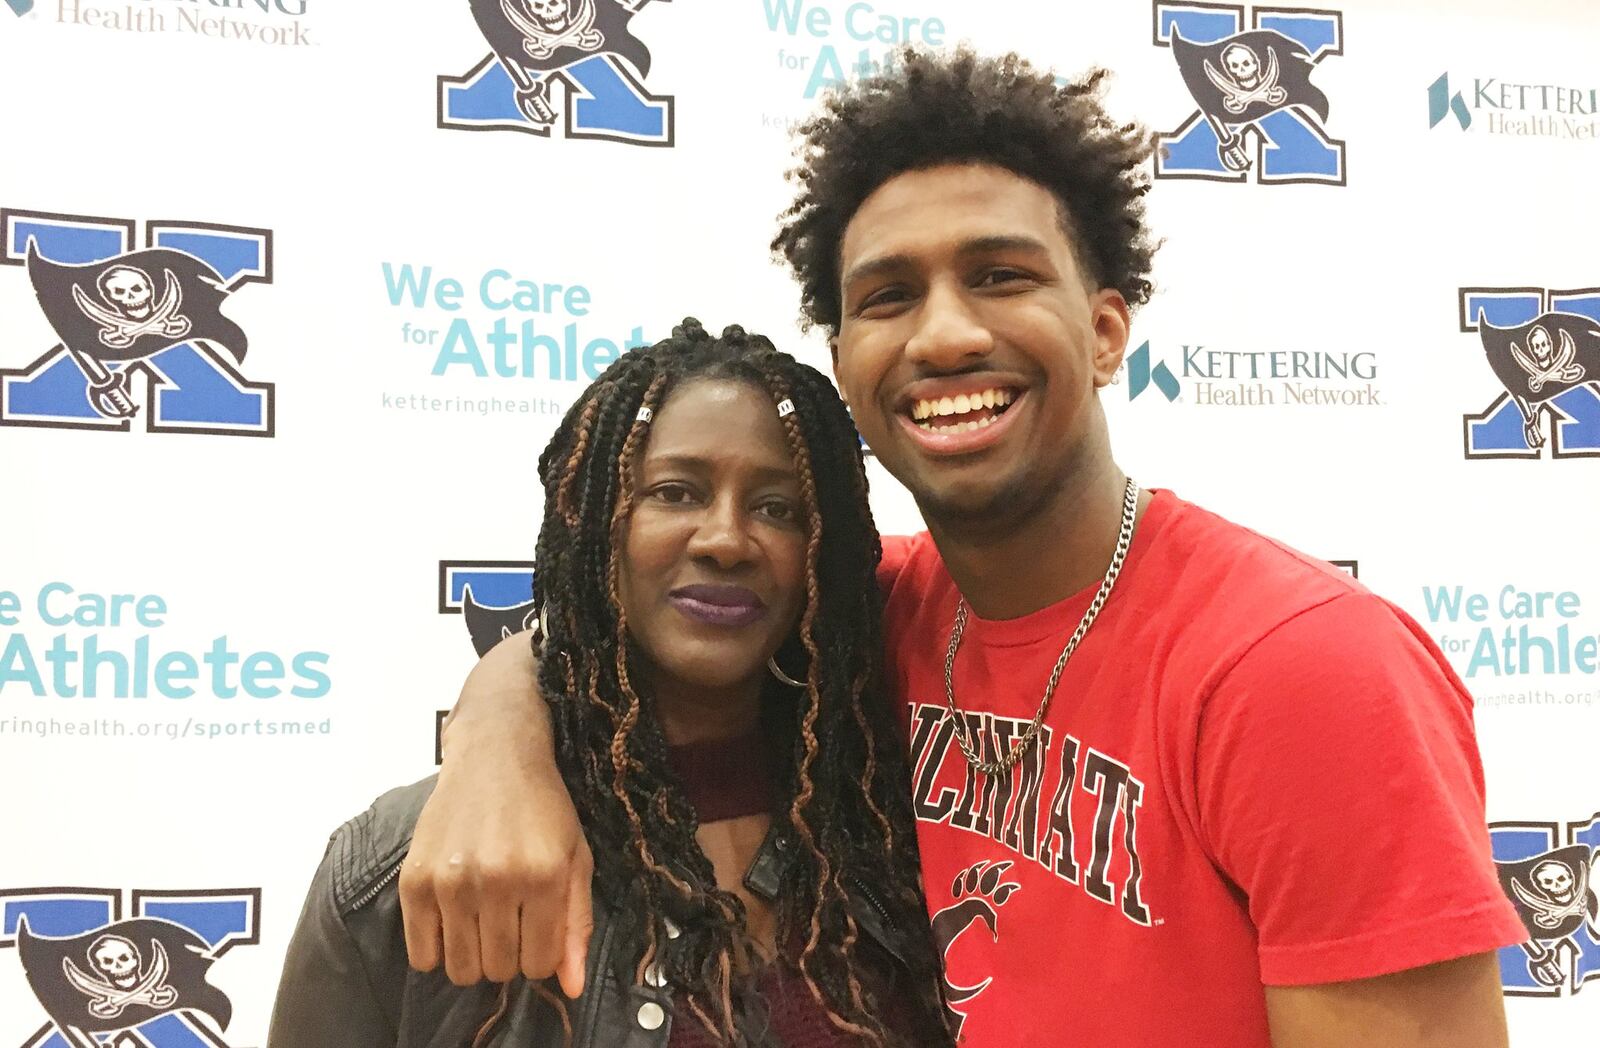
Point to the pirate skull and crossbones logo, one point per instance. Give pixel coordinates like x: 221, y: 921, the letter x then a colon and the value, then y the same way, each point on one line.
x: 128, y: 310
x: 550, y: 24
x: 121, y: 980
x: 1544, y: 362
x: 1245, y: 81
x: 1558, y: 893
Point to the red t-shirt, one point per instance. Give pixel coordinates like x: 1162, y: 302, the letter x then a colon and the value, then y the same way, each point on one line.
x: 1253, y: 772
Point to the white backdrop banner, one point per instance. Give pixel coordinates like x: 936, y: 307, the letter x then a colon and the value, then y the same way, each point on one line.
x: 292, y: 293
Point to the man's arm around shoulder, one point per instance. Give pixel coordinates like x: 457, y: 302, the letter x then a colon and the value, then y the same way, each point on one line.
x: 498, y: 877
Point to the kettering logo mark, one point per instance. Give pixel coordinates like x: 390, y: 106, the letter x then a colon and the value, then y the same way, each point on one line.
x: 1441, y: 103
x: 1519, y: 110
x: 1258, y: 378
x: 1141, y: 376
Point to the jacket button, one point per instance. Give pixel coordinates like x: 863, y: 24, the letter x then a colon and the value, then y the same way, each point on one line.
x: 654, y: 976
x: 651, y: 1015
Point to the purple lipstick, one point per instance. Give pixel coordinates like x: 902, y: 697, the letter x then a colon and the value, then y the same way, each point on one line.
x: 718, y: 605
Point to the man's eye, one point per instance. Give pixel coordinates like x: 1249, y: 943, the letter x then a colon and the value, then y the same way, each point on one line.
x: 887, y: 297
x: 999, y: 276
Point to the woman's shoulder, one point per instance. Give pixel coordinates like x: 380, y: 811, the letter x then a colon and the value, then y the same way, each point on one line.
x: 370, y: 847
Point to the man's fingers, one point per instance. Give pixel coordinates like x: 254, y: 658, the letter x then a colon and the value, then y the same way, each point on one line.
x: 461, y: 962
x: 580, y: 925
x: 420, y: 914
x: 497, y: 941
x: 459, y: 913
x: 542, y: 932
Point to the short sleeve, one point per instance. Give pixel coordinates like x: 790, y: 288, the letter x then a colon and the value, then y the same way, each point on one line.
x: 896, y: 552
x: 1340, y: 788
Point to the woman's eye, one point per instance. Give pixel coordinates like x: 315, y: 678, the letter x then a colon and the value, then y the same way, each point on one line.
x: 671, y: 494
x: 779, y: 509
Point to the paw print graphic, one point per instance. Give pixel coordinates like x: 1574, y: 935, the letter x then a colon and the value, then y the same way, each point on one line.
x: 979, y: 891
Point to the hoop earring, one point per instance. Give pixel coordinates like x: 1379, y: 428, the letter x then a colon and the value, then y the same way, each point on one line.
x: 541, y: 633
x: 783, y: 678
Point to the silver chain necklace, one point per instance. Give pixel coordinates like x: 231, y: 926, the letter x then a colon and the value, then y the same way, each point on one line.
x: 1130, y: 505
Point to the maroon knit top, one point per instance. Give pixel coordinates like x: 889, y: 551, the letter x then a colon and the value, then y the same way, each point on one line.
x: 726, y: 779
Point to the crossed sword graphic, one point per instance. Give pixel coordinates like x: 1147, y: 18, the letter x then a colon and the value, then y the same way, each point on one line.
x: 108, y: 390
x: 109, y: 1001
x: 1237, y: 98
x: 1230, y: 147
x: 532, y: 92
x: 1561, y: 369
x: 1544, y: 962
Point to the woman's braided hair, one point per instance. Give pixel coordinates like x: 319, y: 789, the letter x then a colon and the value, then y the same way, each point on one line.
x: 842, y: 790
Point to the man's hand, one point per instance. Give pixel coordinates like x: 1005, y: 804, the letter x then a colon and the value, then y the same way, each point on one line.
x: 1457, y: 1004
x: 497, y: 880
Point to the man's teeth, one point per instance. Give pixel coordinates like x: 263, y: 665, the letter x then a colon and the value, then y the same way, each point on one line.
x: 960, y: 405
x: 959, y: 427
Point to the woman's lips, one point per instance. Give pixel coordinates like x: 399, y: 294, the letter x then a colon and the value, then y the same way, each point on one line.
x: 718, y: 605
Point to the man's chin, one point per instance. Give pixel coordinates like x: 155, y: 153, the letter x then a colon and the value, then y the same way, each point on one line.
x: 965, y: 504
x: 984, y: 504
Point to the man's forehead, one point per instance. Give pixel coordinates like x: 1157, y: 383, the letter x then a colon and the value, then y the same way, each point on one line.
x: 952, y: 209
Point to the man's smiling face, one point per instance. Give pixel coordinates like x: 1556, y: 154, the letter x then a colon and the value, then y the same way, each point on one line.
x: 971, y: 343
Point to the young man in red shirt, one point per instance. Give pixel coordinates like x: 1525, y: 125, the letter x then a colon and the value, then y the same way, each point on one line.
x: 1176, y: 784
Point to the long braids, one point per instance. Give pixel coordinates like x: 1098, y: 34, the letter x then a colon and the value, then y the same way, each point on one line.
x: 845, y: 799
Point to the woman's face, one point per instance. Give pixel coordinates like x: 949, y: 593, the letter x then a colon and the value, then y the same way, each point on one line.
x: 712, y: 572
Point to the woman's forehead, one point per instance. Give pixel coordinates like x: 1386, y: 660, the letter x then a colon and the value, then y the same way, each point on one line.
x: 717, y: 421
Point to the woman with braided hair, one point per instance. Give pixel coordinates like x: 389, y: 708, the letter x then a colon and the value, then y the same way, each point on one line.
x: 705, y: 573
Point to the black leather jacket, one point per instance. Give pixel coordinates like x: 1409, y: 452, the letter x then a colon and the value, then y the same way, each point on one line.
x: 346, y: 983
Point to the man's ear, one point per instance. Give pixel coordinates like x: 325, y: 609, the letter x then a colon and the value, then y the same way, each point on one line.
x: 1112, y: 323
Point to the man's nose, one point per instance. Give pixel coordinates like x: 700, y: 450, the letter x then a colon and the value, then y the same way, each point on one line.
x: 949, y: 333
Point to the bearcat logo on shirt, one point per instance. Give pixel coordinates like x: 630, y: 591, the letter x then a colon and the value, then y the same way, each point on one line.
x: 120, y: 310
x: 1548, y: 872
x: 979, y: 892
x: 586, y: 45
x: 1011, y: 810
x: 1250, y: 83
x: 97, y: 975
x: 1543, y: 347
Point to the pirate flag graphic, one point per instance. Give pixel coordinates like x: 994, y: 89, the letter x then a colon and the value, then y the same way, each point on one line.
x: 489, y: 626
x: 1554, y: 897
x: 119, y: 976
x: 1542, y: 359
x: 128, y: 308
x: 1240, y: 80
x: 530, y: 37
